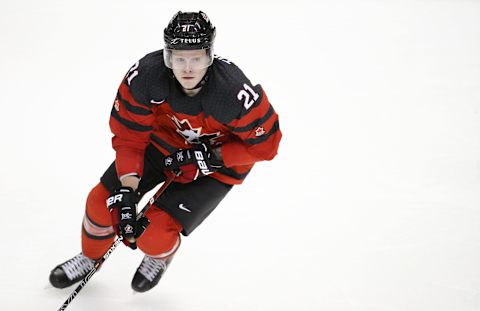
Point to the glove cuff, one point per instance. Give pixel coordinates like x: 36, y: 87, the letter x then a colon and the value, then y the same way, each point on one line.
x: 123, y: 196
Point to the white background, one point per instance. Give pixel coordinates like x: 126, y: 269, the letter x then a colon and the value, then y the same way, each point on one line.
x: 371, y: 205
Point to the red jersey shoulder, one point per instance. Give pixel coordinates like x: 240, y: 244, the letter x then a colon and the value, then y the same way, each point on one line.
x: 147, y: 79
x: 231, y: 93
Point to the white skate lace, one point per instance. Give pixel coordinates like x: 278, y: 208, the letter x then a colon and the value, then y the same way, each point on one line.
x: 77, y: 266
x: 150, y: 267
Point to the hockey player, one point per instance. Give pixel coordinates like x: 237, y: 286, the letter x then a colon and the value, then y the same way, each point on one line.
x: 183, y: 111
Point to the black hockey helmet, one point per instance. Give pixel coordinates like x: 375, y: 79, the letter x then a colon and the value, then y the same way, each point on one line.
x: 189, y: 31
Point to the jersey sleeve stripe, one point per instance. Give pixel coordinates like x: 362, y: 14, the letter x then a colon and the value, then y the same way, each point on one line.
x: 132, y: 108
x: 126, y: 93
x: 129, y: 124
x: 261, y: 139
x: 162, y: 143
x: 255, y: 123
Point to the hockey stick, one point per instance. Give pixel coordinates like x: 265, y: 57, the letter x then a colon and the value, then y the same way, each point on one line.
x: 114, y: 245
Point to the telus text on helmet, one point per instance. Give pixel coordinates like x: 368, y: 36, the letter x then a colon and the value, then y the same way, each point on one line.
x: 186, y: 40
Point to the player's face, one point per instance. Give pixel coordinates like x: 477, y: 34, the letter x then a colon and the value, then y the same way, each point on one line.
x: 189, y: 67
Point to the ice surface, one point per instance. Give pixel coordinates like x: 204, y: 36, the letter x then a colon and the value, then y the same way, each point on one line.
x: 371, y: 205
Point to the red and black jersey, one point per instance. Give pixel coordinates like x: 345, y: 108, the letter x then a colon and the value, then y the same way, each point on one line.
x: 150, y: 108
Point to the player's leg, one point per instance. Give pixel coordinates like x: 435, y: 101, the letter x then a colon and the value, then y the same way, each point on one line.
x: 97, y: 231
x: 97, y: 236
x: 180, y: 209
x: 159, y: 242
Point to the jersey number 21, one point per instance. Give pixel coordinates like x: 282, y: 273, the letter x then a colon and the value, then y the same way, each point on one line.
x: 248, y: 96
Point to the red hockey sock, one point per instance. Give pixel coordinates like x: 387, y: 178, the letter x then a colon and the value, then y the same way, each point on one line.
x: 97, y: 231
x: 162, y: 237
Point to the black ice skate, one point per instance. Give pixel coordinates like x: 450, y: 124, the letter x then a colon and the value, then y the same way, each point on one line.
x: 71, y: 271
x: 149, y: 273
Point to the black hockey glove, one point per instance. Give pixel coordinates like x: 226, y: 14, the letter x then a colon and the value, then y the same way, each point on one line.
x: 189, y: 164
x: 122, y: 204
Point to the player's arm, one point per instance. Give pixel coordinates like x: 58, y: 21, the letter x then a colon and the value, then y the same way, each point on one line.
x: 257, y: 128
x: 131, y: 123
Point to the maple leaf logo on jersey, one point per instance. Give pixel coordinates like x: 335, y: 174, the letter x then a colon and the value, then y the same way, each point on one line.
x: 194, y: 135
x: 259, y: 131
x: 117, y: 105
